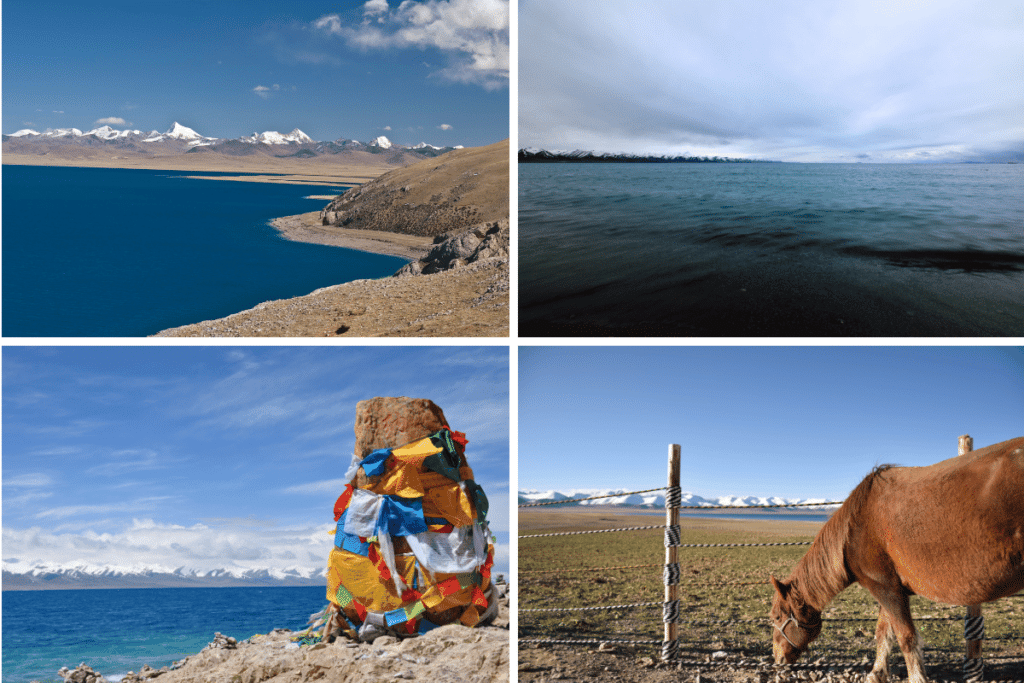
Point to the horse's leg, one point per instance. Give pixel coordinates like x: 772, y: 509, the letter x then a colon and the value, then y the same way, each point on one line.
x: 883, y: 637
x: 896, y: 611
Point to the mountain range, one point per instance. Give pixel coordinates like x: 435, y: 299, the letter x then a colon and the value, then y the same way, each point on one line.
x: 19, y: 575
x: 529, y: 155
x: 181, y: 139
x: 656, y: 499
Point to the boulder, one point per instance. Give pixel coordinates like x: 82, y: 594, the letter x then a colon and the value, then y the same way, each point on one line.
x: 386, y: 422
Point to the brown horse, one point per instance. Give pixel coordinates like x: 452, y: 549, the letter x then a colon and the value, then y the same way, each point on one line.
x: 952, y: 532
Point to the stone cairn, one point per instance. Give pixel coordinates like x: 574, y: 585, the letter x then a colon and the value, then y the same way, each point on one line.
x: 83, y: 673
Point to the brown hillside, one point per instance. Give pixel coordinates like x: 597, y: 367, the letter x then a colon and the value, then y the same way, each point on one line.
x: 432, y: 197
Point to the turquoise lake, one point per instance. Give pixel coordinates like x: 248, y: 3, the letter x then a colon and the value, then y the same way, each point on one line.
x: 95, y: 252
x: 114, y: 630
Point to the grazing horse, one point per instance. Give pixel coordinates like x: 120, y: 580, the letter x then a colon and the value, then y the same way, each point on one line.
x: 952, y: 532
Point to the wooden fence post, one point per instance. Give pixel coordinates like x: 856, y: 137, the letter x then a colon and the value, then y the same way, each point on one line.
x: 974, y: 623
x: 673, y: 498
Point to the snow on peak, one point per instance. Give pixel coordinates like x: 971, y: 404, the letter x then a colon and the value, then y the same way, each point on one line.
x: 62, y: 132
x: 272, y: 137
x: 381, y: 142
x: 298, y: 136
x: 107, y: 133
x: 23, y: 132
x: 181, y: 132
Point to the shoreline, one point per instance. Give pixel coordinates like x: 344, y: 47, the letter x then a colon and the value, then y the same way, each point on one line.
x: 307, y: 227
x: 279, y: 171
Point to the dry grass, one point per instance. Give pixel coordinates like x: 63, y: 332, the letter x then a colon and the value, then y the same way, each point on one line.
x: 712, y: 590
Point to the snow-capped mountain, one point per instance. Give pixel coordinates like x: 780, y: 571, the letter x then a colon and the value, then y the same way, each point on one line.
x: 18, y: 574
x: 181, y: 138
x: 272, y: 137
x: 656, y: 499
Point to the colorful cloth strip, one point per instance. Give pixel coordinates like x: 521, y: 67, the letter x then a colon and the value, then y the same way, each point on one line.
x: 419, y: 497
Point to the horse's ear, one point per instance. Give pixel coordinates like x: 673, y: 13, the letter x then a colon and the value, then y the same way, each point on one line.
x: 780, y: 587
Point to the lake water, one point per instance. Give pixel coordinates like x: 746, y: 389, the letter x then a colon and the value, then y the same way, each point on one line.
x: 116, y: 252
x: 117, y: 631
x: 771, y: 250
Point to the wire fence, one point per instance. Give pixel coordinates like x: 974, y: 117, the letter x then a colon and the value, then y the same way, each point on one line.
x: 720, y: 585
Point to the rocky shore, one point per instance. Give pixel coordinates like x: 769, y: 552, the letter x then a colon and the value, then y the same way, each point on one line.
x: 447, y: 654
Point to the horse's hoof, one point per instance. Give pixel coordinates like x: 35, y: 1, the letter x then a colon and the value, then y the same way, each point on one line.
x: 876, y: 677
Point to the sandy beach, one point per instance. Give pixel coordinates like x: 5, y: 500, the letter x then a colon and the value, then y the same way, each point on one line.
x: 307, y: 227
x: 264, y: 169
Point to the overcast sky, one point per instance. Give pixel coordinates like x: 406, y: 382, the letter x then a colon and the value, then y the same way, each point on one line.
x: 424, y: 70
x: 790, y: 80
x: 211, y: 456
x: 802, y: 422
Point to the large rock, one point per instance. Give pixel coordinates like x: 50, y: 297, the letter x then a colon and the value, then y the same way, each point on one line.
x: 387, y: 422
x: 484, y: 241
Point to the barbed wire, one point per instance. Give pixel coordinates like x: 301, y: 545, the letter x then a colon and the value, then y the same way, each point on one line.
x: 590, y: 609
x: 595, y: 531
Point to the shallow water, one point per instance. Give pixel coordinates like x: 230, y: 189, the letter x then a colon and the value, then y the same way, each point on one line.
x: 116, y: 252
x: 117, y: 631
x: 771, y: 250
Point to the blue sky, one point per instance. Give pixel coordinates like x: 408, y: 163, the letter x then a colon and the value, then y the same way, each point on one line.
x: 801, y: 422
x: 430, y: 70
x: 790, y: 80
x: 217, y: 456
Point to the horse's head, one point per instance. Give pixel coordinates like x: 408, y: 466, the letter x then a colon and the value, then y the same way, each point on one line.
x: 796, y: 623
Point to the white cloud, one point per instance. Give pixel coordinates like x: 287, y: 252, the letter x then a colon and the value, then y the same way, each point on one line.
x: 788, y: 80
x: 375, y: 7
x: 325, y: 486
x: 263, y: 91
x: 473, y: 33
x: 102, y: 508
x: 29, y: 480
x: 445, y: 126
x: 112, y: 121
x: 169, y: 546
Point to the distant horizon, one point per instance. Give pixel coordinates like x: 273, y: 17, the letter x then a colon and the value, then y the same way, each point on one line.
x: 748, y: 160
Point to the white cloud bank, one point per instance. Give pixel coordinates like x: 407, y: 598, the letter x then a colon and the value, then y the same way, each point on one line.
x: 150, y: 545
x: 111, y: 121
x: 864, y: 80
x: 474, y: 34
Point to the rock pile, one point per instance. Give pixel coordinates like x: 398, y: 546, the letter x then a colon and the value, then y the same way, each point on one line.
x: 81, y: 674
x: 484, y: 241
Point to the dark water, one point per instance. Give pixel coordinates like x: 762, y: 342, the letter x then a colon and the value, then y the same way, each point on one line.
x: 117, y: 631
x: 771, y: 250
x: 114, y: 252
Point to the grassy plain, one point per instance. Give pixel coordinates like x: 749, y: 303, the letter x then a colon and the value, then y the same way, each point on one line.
x: 718, y: 585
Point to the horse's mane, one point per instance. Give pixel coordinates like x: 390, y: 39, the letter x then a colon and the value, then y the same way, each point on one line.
x: 823, y: 573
